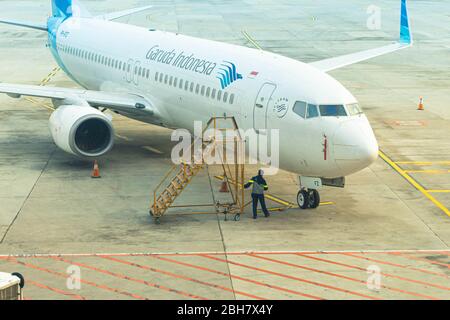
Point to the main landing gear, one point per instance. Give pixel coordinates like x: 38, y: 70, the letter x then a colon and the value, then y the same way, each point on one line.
x: 308, y: 199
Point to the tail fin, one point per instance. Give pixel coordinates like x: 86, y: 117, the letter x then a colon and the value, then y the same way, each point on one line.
x: 68, y: 8
x: 405, y: 32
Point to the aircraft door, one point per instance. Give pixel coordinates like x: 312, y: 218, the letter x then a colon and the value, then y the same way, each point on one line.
x: 261, y: 106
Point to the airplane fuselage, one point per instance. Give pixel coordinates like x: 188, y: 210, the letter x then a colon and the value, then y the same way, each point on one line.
x: 190, y: 79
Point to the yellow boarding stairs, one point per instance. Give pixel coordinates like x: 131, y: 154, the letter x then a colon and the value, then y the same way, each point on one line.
x: 179, y: 176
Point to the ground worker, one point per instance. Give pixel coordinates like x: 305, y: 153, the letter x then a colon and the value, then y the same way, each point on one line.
x: 259, y: 186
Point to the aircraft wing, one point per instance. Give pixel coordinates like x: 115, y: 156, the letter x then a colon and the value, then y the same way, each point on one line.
x: 127, y: 103
x: 120, y: 14
x: 349, y: 59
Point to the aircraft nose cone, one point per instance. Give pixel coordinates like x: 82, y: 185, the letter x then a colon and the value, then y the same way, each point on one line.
x: 355, y: 146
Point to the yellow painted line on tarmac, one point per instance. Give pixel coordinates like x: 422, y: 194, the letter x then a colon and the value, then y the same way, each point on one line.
x: 424, y: 163
x: 50, y: 76
x: 428, y: 171
x: 251, y: 40
x: 43, y: 83
x: 414, y: 183
x: 438, y: 191
x: 40, y: 104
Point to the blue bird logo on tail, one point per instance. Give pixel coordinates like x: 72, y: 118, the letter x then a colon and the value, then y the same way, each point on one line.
x: 228, y: 74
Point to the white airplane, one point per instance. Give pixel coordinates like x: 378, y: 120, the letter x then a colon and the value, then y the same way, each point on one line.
x: 172, y: 80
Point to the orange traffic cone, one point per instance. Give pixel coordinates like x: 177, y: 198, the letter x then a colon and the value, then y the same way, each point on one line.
x: 421, y: 104
x: 96, y: 171
x: 224, y: 186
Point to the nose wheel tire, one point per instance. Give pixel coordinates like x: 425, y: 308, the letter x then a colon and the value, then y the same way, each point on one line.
x: 308, y: 199
x: 314, y: 199
x: 303, y: 199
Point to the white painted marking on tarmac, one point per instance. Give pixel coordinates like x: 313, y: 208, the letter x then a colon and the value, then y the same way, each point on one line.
x: 216, y: 253
x: 123, y: 137
x: 154, y: 150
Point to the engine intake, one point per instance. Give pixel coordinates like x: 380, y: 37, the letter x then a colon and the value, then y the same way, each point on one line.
x: 82, y: 131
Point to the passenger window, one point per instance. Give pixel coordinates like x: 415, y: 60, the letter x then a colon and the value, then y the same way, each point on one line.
x: 312, y: 111
x: 166, y: 78
x: 156, y: 76
x: 120, y: 65
x: 197, y: 88
x: 208, y: 91
x: 140, y: 71
x: 148, y: 74
x: 225, y: 97
x: 213, y: 93
x: 192, y: 87
x: 161, y: 77
x: 186, y: 85
x: 300, y: 108
x: 232, y: 98
x: 117, y: 64
x: 203, y: 90
x: 219, y: 95
x: 175, y: 82
x: 332, y: 111
x: 181, y: 84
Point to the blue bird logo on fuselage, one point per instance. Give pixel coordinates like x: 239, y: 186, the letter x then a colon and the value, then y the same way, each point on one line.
x: 227, y: 74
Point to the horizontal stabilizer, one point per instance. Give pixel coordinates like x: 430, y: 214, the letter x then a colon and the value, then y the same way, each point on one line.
x: 42, y: 27
x: 120, y: 14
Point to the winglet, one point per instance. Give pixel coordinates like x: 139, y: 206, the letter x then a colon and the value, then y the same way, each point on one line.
x: 405, y: 32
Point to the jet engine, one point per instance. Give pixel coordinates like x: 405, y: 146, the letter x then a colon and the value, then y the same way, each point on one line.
x: 82, y: 130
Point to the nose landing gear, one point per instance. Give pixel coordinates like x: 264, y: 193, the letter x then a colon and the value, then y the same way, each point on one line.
x: 308, y: 199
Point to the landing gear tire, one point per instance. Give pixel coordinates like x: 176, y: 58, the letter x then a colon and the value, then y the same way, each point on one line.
x: 237, y: 217
x: 303, y: 199
x: 313, y: 199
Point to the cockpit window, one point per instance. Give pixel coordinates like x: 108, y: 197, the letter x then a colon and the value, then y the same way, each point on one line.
x: 300, y: 108
x: 312, y: 112
x: 332, y: 111
x: 354, y: 109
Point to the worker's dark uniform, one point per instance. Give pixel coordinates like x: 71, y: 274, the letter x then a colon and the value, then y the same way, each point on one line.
x: 259, y: 186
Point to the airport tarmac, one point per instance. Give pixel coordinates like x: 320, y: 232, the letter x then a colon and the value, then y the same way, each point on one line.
x: 394, y: 215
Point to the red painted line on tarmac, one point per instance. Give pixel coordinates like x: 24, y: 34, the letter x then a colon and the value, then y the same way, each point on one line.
x: 401, y: 278
x: 362, y: 269
x: 121, y: 276
x: 179, y: 276
x: 348, y: 278
x: 32, y: 266
x: 421, y: 259
x: 400, y: 266
x: 324, y: 272
x: 263, y: 284
x: 43, y: 286
x: 290, y: 277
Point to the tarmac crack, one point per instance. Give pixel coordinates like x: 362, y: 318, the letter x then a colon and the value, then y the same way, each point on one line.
x: 27, y: 197
x: 221, y: 235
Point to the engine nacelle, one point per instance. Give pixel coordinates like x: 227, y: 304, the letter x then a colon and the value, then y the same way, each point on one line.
x: 81, y: 130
